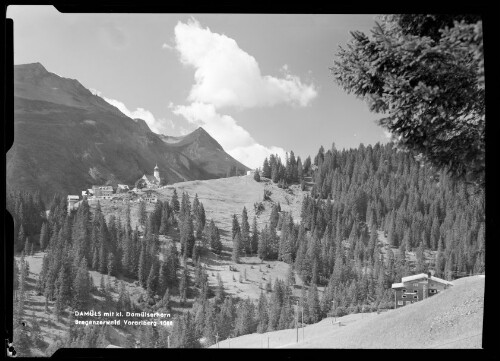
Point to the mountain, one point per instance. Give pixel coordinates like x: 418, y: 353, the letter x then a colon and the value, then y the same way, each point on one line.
x: 204, y: 151
x: 67, y: 139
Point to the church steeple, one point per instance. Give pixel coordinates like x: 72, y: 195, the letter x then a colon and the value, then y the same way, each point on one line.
x: 157, y: 172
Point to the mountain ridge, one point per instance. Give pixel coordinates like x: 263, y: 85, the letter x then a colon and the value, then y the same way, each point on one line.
x: 67, y: 139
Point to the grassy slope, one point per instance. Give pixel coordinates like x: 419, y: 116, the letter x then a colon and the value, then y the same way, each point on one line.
x: 221, y: 199
x: 452, y: 319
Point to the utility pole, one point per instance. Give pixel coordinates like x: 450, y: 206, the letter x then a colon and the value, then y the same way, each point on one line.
x: 297, y: 320
x: 302, y: 323
x: 217, y: 339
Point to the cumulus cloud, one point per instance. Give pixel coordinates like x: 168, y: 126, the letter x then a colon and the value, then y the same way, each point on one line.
x: 253, y: 155
x: 225, y: 75
x: 161, y: 126
x: 234, y: 138
x: 166, y: 46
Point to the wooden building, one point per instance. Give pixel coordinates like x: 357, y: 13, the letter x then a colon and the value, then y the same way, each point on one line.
x: 417, y: 287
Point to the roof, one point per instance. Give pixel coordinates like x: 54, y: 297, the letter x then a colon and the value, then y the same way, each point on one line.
x: 440, y: 280
x: 397, y: 285
x: 106, y: 188
x: 426, y: 276
x: 122, y: 186
x: 414, y: 277
x: 151, y: 178
x: 73, y: 197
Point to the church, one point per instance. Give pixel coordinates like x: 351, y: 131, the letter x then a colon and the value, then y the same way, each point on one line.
x: 150, y: 181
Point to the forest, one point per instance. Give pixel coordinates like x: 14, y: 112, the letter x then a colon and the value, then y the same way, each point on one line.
x: 356, y: 193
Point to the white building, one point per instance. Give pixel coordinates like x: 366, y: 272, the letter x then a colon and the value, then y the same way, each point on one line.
x: 73, y: 202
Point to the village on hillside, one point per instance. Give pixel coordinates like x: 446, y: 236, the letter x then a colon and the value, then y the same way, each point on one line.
x: 143, y: 190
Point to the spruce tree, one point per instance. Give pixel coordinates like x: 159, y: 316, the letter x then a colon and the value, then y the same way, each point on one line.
x: 174, y: 202
x: 44, y: 236
x: 245, y: 246
x: 142, y: 214
x: 81, y: 286
x: 254, y: 240
x: 143, y: 270
x: 262, y: 311
x: 235, y: 226
x: 262, y: 250
x: 236, y: 248
x: 152, y: 281
x: 256, y: 175
x: 215, y: 242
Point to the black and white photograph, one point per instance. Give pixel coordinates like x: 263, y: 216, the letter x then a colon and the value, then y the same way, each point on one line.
x: 246, y: 181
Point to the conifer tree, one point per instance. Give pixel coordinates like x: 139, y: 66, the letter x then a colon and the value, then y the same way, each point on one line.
x: 174, y: 202
x: 184, y: 286
x: 165, y: 302
x: 44, y: 236
x: 26, y: 248
x: 236, y: 248
x: 256, y: 175
x: 262, y: 309
x: 142, y: 215
x: 274, y: 217
x: 215, y: 242
x: 245, y: 246
x: 81, y: 286
x: 225, y: 319
x: 254, y: 240
x: 210, y: 326
x: 219, y: 290
x: 236, y: 226
x: 266, y: 169
x: 64, y: 286
x: 152, y: 281
x: 143, y: 270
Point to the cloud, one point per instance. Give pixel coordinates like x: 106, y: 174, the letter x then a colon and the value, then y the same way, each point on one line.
x: 253, y: 155
x: 225, y: 75
x: 232, y: 137
x: 94, y: 91
x: 166, y: 46
x: 161, y: 126
x: 387, y: 134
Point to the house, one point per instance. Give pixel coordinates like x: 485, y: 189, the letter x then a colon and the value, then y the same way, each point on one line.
x: 417, y: 287
x: 149, y: 197
x: 102, y: 192
x: 122, y: 188
x: 73, y: 202
x: 250, y: 172
x: 148, y: 180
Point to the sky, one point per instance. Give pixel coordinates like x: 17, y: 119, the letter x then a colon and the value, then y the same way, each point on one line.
x: 259, y: 84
